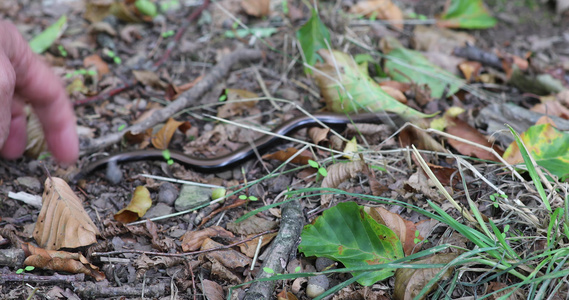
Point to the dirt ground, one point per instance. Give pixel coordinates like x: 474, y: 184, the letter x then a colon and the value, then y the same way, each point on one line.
x: 150, y: 257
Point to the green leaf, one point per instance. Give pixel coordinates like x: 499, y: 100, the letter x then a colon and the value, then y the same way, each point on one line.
x: 405, y: 65
x: 470, y: 14
x: 44, y: 40
x: 146, y: 7
x: 352, y: 89
x: 547, y: 145
x: 313, y: 163
x: 312, y: 37
x: 347, y: 234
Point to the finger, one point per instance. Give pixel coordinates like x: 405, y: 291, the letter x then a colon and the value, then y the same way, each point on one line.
x: 7, y: 82
x: 16, y: 142
x: 35, y: 82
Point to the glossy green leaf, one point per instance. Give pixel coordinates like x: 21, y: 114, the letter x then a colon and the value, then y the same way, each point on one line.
x: 347, y: 234
x: 470, y: 14
x: 405, y: 65
x: 547, y: 145
x: 44, y: 40
x: 312, y: 37
x: 347, y: 88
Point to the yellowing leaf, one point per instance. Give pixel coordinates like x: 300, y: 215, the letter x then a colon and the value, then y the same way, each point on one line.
x: 137, y: 207
x: 404, y: 229
x: 547, y: 145
x: 347, y: 87
x: 63, y: 222
x: 351, y: 149
x: 162, y: 138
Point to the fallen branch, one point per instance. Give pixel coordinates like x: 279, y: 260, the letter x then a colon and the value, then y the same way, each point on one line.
x: 185, y: 100
x: 281, y: 248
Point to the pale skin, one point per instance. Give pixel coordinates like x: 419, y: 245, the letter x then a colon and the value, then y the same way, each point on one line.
x: 24, y: 78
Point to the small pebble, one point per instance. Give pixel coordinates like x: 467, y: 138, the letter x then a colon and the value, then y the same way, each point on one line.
x: 30, y: 183
x: 324, y: 263
x: 167, y: 193
x: 159, y: 210
x: 317, y: 285
x: 192, y: 196
x: 114, y: 172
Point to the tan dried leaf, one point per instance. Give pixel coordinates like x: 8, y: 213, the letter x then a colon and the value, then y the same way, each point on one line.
x: 137, y: 207
x: 409, y: 282
x: 227, y: 257
x: 233, y: 108
x: 338, y: 173
x: 60, y: 261
x: 284, y: 155
x: 318, y: 134
x: 96, y: 61
x: 149, y: 78
x: 251, y: 225
x: 193, y: 240
x: 256, y: 8
x: 63, y: 222
x: 249, y: 248
x: 161, y: 140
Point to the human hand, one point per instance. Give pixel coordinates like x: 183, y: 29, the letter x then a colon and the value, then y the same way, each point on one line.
x: 24, y: 78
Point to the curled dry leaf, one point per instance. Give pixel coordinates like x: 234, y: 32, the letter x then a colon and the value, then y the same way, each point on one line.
x: 410, y: 282
x: 404, y: 229
x: 36, y: 143
x: 383, y: 9
x: 149, y: 78
x: 193, y: 240
x: 338, y: 173
x: 60, y: 261
x: 63, y: 222
x: 162, y: 138
x: 137, y: 207
x: 284, y: 155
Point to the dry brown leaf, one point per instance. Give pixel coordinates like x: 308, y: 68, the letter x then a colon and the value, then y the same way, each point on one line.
x: 60, y: 261
x: 233, y: 108
x: 383, y: 9
x: 409, y: 282
x: 137, y: 207
x: 445, y: 174
x: 318, y: 134
x: 161, y: 140
x: 552, y: 108
x: 256, y: 8
x: 97, y: 10
x: 283, y: 155
x: 248, y: 248
x: 470, y: 70
x: 227, y: 257
x: 212, y: 290
x: 142, y: 139
x: 193, y: 240
x: 395, y: 93
x: 284, y: 295
x: 338, y: 173
x: 404, y: 229
x: 437, y: 39
x: 63, y: 222
x: 251, y: 225
x: 461, y: 129
x: 149, y: 78
x: 173, y: 91
x: 100, y: 65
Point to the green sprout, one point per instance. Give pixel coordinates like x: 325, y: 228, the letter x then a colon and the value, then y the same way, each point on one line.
x: 222, y: 97
x: 251, y: 198
x: 168, y: 34
x: 62, y: 50
x: 285, y: 7
x: 416, y: 240
x: 26, y: 269
x: 167, y: 157
x: 121, y: 127
x: 321, y: 170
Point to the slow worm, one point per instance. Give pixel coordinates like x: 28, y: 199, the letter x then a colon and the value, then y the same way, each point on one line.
x: 243, y: 153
